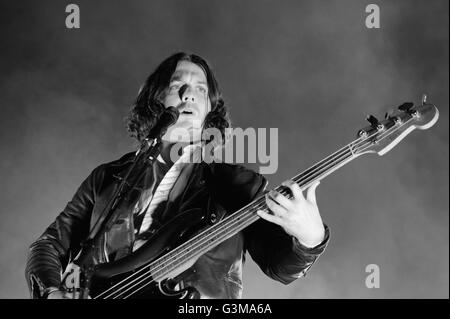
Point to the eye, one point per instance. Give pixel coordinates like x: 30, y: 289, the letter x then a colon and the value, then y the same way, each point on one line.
x: 174, y: 87
x: 202, y: 89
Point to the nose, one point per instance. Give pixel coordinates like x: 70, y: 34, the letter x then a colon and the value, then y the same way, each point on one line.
x: 186, y: 94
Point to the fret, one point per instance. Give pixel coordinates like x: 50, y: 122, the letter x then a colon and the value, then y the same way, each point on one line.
x: 350, y: 147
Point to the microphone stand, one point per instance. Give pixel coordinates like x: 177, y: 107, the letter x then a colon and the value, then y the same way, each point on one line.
x: 145, y: 156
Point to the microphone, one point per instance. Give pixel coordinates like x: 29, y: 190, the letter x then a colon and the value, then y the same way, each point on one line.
x: 170, y: 115
x: 167, y: 118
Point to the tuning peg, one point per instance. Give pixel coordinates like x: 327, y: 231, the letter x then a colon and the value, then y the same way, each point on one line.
x: 406, y: 106
x: 372, y: 120
x: 424, y: 99
x: 389, y: 115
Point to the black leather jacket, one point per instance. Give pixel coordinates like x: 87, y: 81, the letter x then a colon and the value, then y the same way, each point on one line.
x: 216, y: 188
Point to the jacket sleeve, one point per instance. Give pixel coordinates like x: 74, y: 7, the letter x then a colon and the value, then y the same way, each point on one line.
x: 51, y: 252
x: 279, y: 255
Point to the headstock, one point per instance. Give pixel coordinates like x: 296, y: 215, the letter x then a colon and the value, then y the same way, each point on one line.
x: 381, y: 136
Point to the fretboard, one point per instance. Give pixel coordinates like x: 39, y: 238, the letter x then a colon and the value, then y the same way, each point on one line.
x: 234, y: 223
x: 380, y: 140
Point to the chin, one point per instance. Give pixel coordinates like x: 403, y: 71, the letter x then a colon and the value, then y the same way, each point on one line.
x: 182, y: 134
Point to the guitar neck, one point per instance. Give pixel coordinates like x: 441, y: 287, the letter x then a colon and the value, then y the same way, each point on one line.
x: 245, y: 216
x: 379, y: 138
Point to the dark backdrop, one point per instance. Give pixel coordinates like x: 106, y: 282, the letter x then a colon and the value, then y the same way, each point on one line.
x: 310, y: 68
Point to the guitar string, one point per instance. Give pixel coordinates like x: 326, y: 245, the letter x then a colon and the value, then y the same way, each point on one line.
x: 324, y: 161
x: 204, y: 245
x: 222, y: 226
x: 386, y: 133
x: 211, y: 232
x: 183, y: 253
x: 217, y: 237
x: 259, y: 204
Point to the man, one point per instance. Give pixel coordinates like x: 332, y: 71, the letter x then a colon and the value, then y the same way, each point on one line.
x: 284, y: 242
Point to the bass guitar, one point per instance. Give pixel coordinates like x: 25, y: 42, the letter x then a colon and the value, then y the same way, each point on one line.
x: 178, y: 244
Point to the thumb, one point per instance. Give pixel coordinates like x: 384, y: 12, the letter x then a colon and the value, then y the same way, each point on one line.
x: 311, y: 195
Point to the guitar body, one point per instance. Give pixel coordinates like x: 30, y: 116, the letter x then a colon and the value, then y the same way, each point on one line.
x: 164, y: 289
x: 94, y: 280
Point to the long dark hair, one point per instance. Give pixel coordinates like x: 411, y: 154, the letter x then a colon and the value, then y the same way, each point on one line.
x: 148, y: 105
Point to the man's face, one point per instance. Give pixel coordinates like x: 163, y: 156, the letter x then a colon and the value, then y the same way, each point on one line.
x: 188, y: 92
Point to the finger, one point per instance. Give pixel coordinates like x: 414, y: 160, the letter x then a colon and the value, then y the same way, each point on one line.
x: 270, y: 218
x: 311, y: 195
x: 295, y: 189
x: 275, y: 208
x: 281, y: 199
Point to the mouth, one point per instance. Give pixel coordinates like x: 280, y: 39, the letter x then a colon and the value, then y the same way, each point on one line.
x: 187, y: 110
